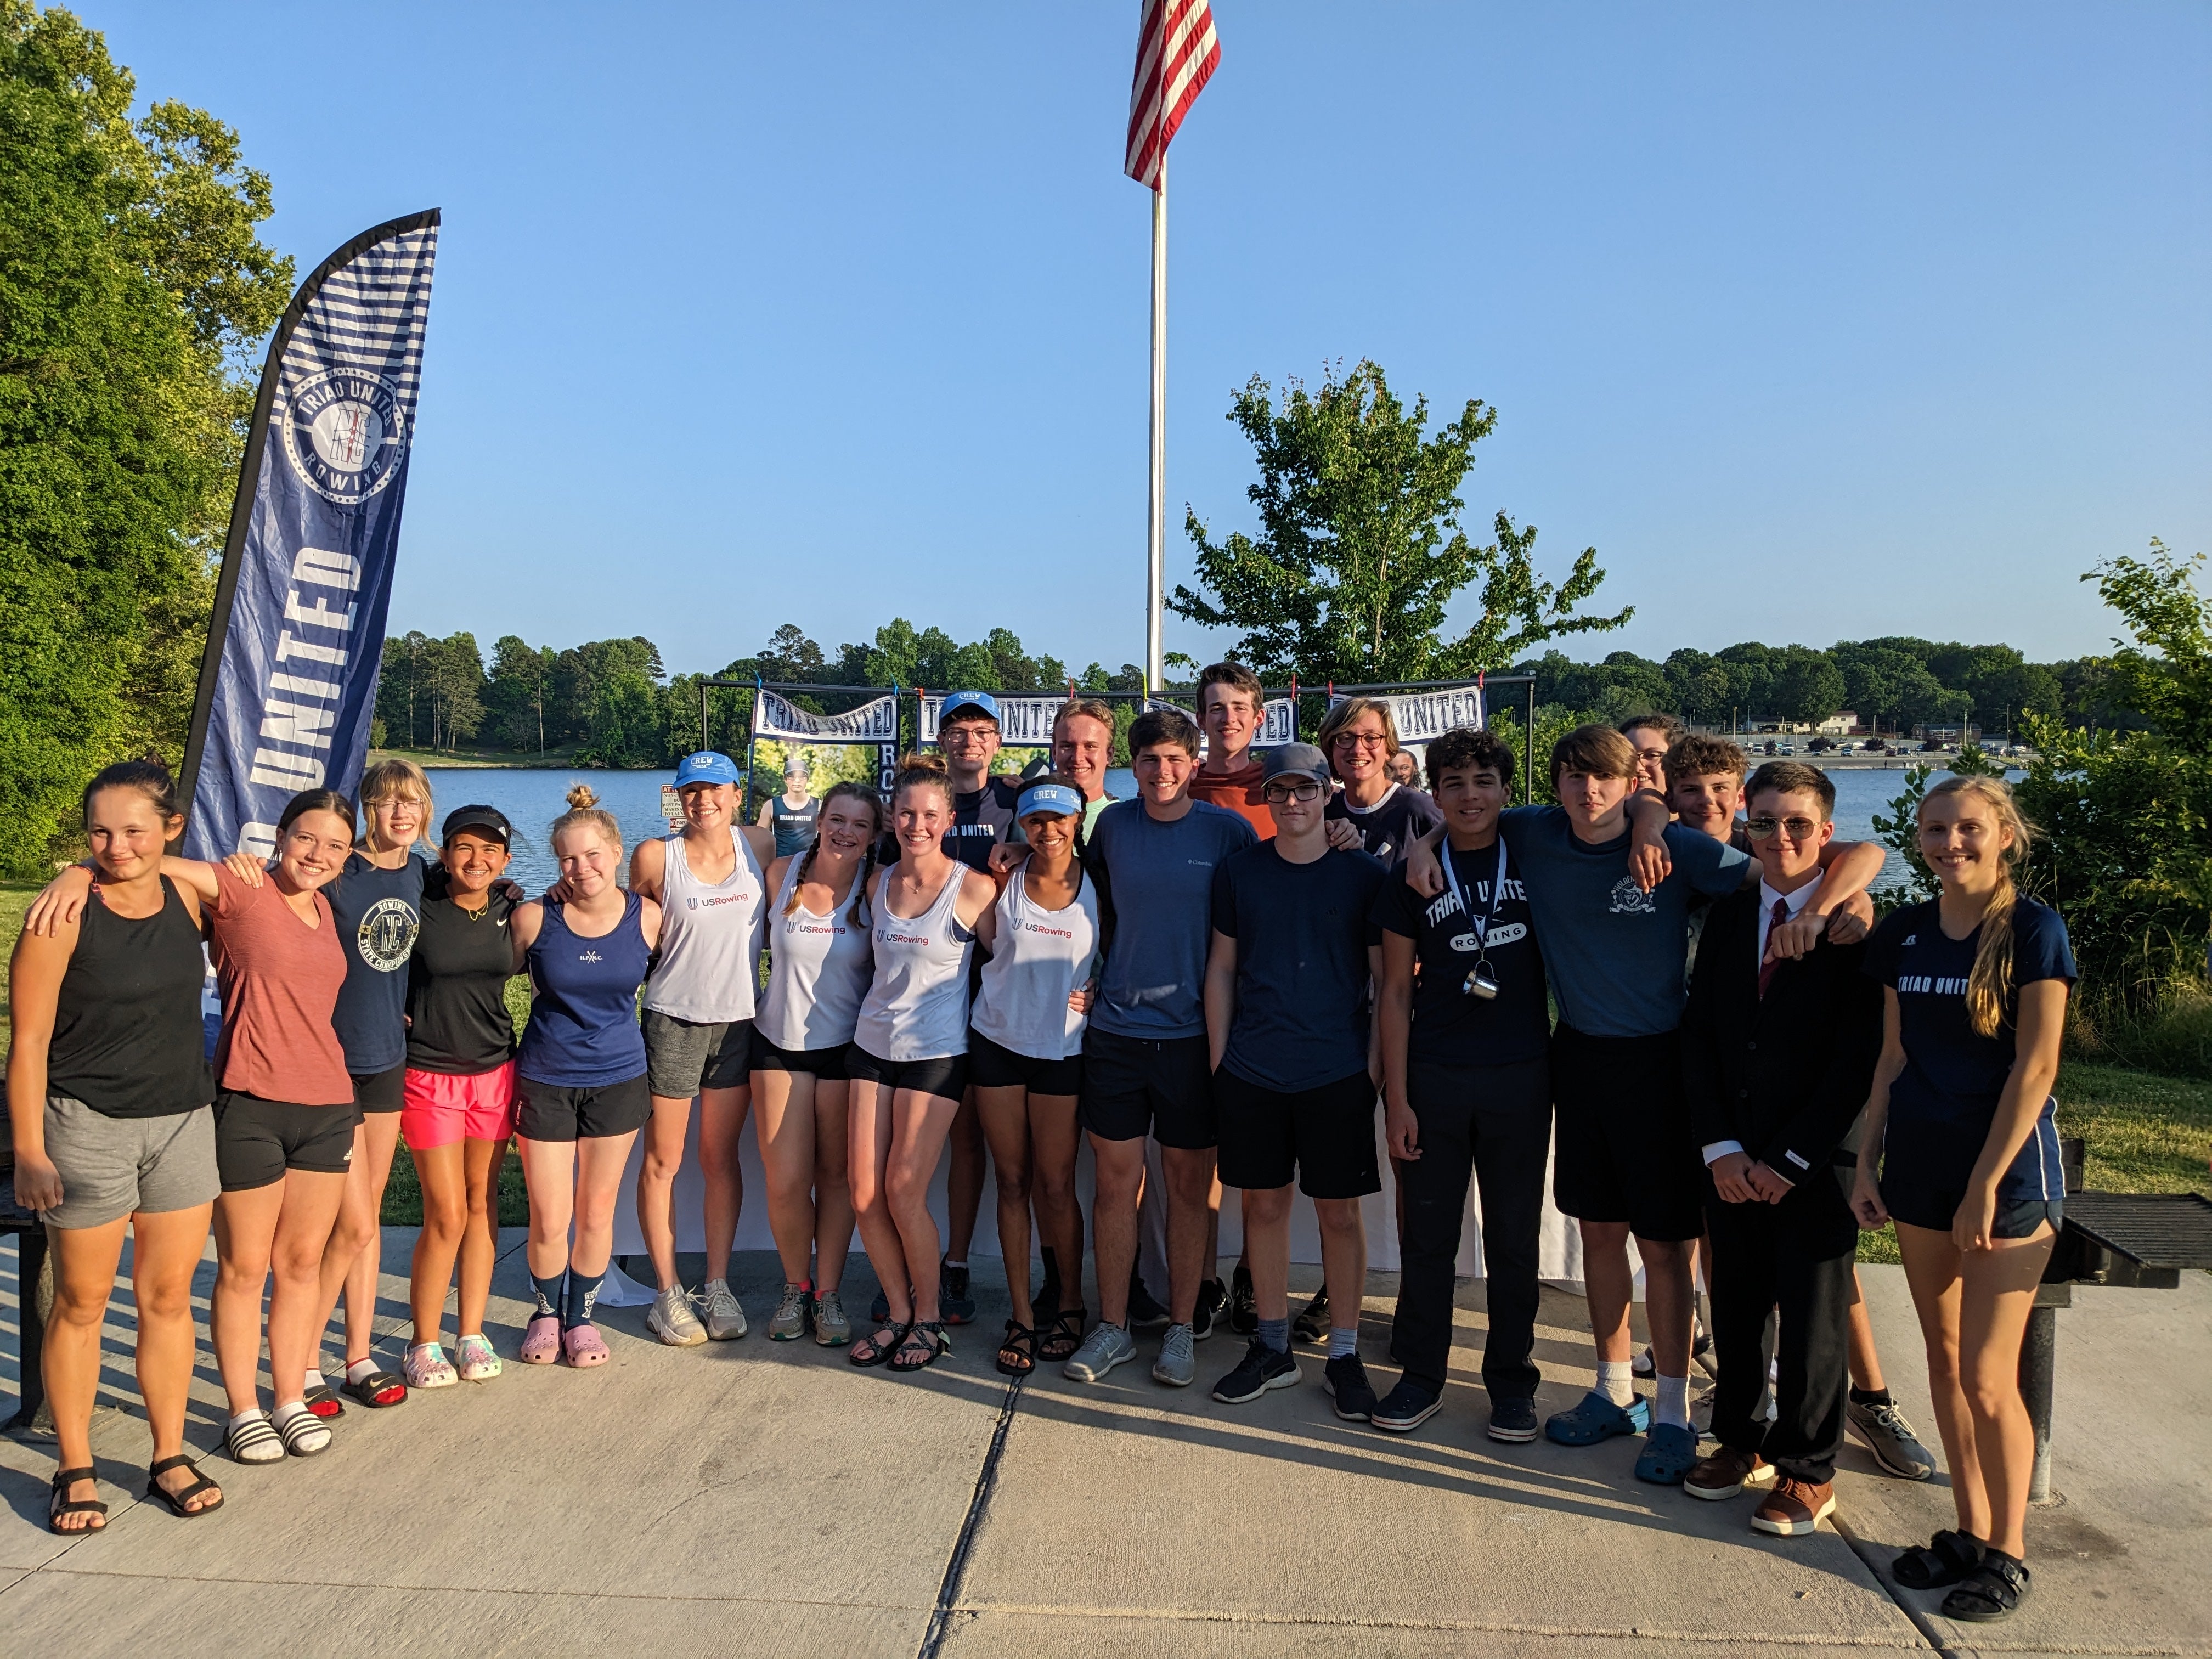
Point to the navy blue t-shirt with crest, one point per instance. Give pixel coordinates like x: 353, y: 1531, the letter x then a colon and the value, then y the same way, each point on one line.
x: 1451, y: 1028
x: 379, y: 914
x: 1943, y: 1104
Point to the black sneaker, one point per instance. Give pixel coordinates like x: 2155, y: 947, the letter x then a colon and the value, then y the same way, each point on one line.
x: 1406, y: 1408
x: 1312, y: 1325
x: 1343, y: 1380
x: 1243, y: 1305
x: 1145, y: 1314
x: 954, y: 1304
x: 1512, y: 1420
x: 1262, y: 1369
x: 1212, y: 1297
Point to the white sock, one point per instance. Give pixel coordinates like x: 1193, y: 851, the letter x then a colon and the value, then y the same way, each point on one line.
x: 1673, y: 1407
x: 949, y: 1262
x: 249, y: 1412
x: 315, y: 1379
x: 286, y: 1414
x: 1615, y: 1380
x: 360, y: 1369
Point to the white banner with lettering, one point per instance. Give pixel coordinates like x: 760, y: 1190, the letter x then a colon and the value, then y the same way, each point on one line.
x: 871, y: 722
x: 1023, y: 722
x: 1279, y: 720
x: 1422, y: 717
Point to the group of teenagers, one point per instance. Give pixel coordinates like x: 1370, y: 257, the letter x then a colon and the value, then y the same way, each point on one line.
x: 1232, y: 970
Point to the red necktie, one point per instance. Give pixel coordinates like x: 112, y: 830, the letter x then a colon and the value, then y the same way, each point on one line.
x: 1767, y: 968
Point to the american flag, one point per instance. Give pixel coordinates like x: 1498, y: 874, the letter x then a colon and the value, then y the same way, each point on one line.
x: 1177, y: 52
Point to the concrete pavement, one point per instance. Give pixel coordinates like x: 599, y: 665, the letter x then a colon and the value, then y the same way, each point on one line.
x: 761, y: 1496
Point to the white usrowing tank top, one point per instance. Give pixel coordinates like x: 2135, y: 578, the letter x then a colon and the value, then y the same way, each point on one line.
x: 818, y: 970
x: 1038, y: 958
x: 917, y: 1004
x: 710, y: 938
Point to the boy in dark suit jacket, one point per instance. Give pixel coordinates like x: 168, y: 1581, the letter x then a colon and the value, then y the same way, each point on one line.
x: 1777, y: 1058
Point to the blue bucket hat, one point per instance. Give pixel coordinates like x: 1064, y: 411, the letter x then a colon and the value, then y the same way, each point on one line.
x: 706, y: 767
x: 1054, y: 798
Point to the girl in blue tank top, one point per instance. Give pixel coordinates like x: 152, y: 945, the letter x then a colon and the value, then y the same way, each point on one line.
x: 579, y: 1093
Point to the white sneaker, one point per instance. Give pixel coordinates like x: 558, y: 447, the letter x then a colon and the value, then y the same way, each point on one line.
x: 725, y: 1318
x: 671, y: 1320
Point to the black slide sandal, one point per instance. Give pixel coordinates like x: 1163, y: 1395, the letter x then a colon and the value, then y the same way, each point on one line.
x: 60, y: 1505
x: 176, y: 1500
x: 378, y: 1390
x: 1947, y: 1557
x: 1021, y: 1342
x: 1988, y: 1592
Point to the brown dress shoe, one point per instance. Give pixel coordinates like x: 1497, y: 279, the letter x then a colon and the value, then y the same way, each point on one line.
x: 1726, y: 1473
x: 1794, y: 1507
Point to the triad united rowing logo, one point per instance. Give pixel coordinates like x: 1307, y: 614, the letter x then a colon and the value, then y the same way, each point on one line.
x: 345, y: 434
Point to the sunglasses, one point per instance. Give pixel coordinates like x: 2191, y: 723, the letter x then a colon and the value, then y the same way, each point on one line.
x: 1800, y: 828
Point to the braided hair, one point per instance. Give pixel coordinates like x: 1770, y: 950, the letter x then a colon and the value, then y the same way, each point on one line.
x: 858, y: 911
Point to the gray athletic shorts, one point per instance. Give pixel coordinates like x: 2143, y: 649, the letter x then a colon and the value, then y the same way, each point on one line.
x: 683, y: 1056
x: 117, y: 1166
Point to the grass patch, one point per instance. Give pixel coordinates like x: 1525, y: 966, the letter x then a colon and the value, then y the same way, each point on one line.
x: 403, y: 1196
x: 16, y: 898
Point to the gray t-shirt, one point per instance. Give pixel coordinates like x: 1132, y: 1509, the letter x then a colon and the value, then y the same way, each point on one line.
x: 1614, y: 953
x: 1156, y: 882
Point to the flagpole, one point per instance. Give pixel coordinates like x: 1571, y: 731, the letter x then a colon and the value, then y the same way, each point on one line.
x: 1156, y: 521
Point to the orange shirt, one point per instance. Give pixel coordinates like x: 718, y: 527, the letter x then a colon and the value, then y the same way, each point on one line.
x: 280, y: 981
x: 1236, y: 791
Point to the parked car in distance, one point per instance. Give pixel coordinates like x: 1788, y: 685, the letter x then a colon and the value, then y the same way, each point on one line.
x: 1821, y: 745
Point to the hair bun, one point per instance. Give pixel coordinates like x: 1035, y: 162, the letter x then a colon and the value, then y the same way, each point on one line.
x: 582, y: 797
x: 924, y: 760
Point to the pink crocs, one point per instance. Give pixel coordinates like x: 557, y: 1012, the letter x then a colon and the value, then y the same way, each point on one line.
x: 583, y: 1346
x: 541, y: 1341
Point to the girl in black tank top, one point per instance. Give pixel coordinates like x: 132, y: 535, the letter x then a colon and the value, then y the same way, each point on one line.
x: 107, y: 1100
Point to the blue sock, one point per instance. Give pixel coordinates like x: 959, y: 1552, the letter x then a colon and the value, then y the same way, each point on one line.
x: 1341, y: 1343
x: 583, y: 1292
x: 548, y: 1293
x: 1276, y: 1333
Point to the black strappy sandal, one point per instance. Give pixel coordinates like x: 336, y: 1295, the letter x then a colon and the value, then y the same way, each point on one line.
x: 925, y: 1337
x: 1021, y: 1342
x: 1947, y: 1559
x: 1989, y: 1592
x: 1065, y: 1336
x: 176, y: 1500
x: 61, y: 1504
x: 868, y: 1351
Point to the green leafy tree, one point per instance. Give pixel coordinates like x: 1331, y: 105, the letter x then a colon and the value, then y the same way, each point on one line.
x: 1361, y: 550
x: 521, y: 678
x: 131, y: 287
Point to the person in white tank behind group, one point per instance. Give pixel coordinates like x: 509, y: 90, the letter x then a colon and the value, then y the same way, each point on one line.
x: 909, y: 1062
x: 820, y: 964
x: 1025, y: 1061
x: 698, y: 1019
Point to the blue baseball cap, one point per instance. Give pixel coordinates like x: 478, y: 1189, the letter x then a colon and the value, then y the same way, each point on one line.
x: 955, y: 701
x: 1055, y: 799
x: 706, y: 767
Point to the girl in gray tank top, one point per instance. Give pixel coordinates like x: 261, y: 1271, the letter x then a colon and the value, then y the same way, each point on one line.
x: 710, y: 937
x: 820, y: 966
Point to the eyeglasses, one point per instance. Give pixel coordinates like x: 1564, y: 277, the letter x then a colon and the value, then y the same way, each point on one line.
x: 1360, y: 740
x: 1305, y: 789
x: 1799, y: 828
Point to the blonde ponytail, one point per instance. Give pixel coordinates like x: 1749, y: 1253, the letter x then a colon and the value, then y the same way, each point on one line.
x: 1990, y: 985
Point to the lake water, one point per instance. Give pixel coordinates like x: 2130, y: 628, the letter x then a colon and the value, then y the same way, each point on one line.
x: 532, y: 800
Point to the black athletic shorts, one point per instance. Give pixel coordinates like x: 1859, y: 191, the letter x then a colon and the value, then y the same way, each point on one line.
x: 1136, y: 1086
x: 827, y: 1064
x: 256, y: 1141
x: 380, y: 1091
x: 1918, y: 1204
x: 946, y: 1075
x: 994, y: 1065
x: 553, y: 1111
x: 1625, y: 1150
x: 1324, y: 1136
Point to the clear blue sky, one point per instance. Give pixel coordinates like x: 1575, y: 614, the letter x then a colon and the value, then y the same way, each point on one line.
x: 1817, y: 322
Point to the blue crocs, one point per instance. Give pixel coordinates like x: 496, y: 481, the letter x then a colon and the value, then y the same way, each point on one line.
x: 1598, y: 1419
x: 1668, y: 1454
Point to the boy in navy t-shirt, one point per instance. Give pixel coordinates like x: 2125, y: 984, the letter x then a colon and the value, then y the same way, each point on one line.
x: 1291, y: 1041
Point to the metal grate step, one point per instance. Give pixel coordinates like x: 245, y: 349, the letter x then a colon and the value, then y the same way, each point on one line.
x: 2157, y: 1230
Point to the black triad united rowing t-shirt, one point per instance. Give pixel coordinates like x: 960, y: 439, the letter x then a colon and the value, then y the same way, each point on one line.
x: 456, y: 988
x: 1393, y: 823
x: 1451, y: 1028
